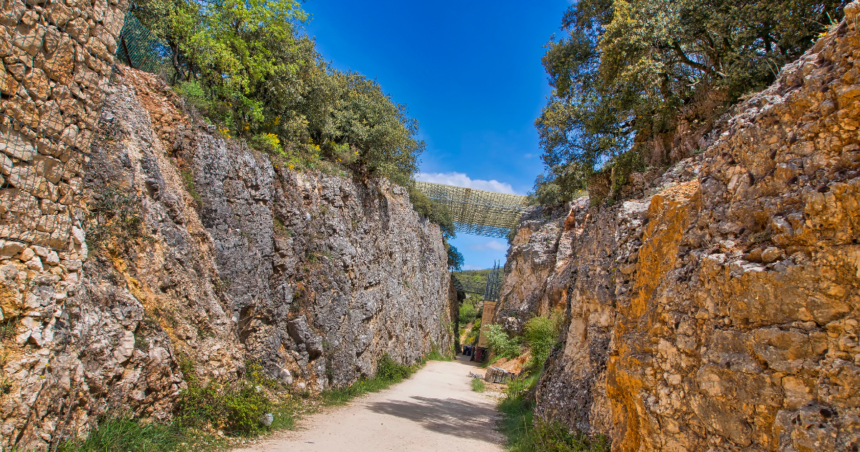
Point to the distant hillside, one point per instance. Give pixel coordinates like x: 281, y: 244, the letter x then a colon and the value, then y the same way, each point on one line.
x: 474, y: 280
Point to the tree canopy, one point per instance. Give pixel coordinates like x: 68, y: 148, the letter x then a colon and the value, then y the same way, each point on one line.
x: 624, y: 70
x: 455, y: 258
x: 248, y: 67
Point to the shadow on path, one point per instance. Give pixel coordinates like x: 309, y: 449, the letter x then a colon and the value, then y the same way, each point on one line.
x: 447, y: 416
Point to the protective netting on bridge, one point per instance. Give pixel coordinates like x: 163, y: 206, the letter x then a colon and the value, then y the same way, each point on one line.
x: 477, y: 212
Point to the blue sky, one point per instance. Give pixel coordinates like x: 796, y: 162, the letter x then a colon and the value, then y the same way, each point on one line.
x: 470, y: 74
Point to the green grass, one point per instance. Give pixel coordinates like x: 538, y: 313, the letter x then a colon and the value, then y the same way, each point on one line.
x: 132, y: 435
x: 478, y: 385
x: 203, y: 411
x: 529, y: 434
x: 129, y: 435
x: 436, y: 355
x: 202, y: 418
x: 188, y: 180
x: 388, y: 372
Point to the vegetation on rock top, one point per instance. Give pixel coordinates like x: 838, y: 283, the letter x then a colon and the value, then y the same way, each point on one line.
x: 249, y: 68
x: 625, y: 72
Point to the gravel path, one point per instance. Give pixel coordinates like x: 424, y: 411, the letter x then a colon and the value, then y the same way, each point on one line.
x: 435, y: 410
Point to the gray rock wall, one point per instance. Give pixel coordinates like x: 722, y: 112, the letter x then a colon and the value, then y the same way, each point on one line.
x: 189, y: 247
x: 536, y: 255
x: 326, y: 273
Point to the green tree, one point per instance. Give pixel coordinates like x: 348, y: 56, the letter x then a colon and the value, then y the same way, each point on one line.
x: 455, y: 259
x: 563, y: 184
x: 248, y: 67
x: 468, y: 312
x: 626, y: 69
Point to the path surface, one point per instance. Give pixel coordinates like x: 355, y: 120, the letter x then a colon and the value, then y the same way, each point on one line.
x: 435, y: 410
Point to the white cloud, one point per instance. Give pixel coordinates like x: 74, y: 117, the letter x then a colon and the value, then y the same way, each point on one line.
x: 462, y: 180
x: 491, y: 245
x: 472, y: 267
x: 528, y: 156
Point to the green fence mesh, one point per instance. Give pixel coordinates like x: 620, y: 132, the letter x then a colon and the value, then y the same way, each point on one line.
x: 140, y: 48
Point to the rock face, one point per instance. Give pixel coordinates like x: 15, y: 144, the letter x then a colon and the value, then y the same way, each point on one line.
x: 720, y: 310
x: 529, y: 287
x: 192, y: 248
x: 56, y: 59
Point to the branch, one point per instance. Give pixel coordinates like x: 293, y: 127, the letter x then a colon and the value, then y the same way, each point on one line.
x: 677, y: 48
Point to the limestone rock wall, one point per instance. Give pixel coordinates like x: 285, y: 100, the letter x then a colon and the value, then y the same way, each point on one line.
x: 187, y: 247
x: 537, y: 253
x: 56, y: 58
x: 719, y: 310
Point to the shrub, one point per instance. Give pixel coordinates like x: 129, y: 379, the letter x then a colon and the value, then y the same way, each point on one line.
x: 468, y: 312
x: 267, y: 142
x: 245, y: 407
x: 519, y: 387
x: 236, y: 408
x: 500, y: 343
x: 472, y: 336
x: 432, y: 210
x: 388, y: 369
x: 526, y: 433
x: 541, y: 334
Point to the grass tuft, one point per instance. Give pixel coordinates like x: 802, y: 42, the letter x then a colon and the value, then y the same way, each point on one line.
x: 130, y: 435
x: 529, y: 434
x: 203, y: 415
x: 388, y: 372
x: 436, y: 355
x: 478, y: 385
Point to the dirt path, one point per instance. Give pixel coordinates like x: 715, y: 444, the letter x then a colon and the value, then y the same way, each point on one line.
x: 435, y: 410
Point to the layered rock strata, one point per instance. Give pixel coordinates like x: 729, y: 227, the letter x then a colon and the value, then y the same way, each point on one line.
x: 720, y: 310
x: 195, y: 253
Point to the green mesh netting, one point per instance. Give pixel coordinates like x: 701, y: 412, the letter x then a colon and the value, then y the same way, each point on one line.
x: 139, y: 48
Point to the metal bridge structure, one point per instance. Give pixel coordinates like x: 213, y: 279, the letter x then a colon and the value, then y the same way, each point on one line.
x: 494, y: 282
x: 477, y: 212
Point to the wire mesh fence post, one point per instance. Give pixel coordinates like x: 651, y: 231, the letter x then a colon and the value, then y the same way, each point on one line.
x: 141, y: 49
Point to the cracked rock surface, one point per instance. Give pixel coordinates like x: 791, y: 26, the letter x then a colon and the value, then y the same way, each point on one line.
x: 190, y: 247
x: 719, y: 309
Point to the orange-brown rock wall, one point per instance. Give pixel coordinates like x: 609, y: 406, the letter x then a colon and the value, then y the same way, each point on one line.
x: 720, y: 311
